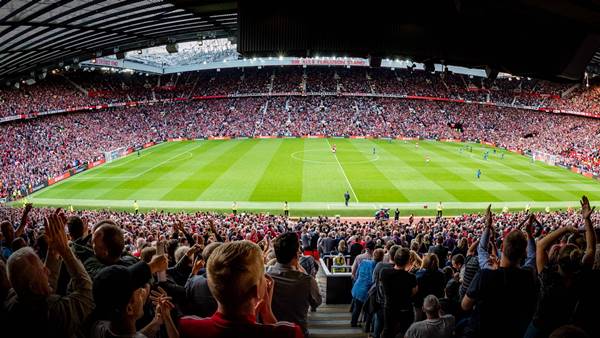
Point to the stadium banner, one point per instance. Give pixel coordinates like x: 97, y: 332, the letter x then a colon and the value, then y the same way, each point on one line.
x: 58, y: 178
x: 450, y: 140
x: 329, y: 62
x: 148, y: 145
x: 40, y: 186
x: 219, y: 138
x: 575, y: 170
x: 95, y: 163
x: 78, y: 169
x: 179, y: 139
x: 432, y: 98
x: 491, y: 144
x: 209, y: 97
x: 407, y: 138
x: 313, y: 136
x: 588, y: 174
x: 358, y: 137
x: 265, y: 136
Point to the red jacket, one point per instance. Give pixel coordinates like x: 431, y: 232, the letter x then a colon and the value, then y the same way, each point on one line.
x: 221, y: 327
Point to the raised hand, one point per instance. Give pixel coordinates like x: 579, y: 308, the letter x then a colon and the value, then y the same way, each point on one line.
x: 586, y: 211
x: 198, y: 265
x: 529, y: 224
x: 488, y: 217
x: 55, y: 231
x: 159, y: 263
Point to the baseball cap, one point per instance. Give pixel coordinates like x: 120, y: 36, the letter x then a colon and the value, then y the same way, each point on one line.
x: 114, y: 285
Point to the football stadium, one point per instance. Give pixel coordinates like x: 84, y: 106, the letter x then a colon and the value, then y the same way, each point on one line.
x: 261, y: 174
x: 210, y: 168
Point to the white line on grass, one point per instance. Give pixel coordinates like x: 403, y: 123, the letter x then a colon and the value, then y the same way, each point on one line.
x: 167, y: 160
x: 343, y: 173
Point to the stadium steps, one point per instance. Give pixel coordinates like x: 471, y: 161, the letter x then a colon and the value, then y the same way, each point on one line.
x: 331, y: 321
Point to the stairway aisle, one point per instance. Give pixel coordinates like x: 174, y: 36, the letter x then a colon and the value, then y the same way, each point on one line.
x: 332, y: 321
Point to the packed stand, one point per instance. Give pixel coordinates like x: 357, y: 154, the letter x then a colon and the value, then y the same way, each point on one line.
x: 106, y: 273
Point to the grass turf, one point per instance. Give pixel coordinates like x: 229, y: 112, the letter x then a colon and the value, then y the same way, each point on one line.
x: 262, y: 173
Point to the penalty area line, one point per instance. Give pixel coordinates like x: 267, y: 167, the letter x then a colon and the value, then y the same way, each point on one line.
x: 343, y: 173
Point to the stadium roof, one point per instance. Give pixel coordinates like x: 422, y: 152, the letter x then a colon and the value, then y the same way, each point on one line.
x: 534, y: 38
x: 44, y: 33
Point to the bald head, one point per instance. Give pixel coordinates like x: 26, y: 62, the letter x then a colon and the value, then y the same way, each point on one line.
x: 27, y: 273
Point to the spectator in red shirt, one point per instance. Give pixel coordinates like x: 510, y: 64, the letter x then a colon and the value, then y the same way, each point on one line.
x: 243, y: 292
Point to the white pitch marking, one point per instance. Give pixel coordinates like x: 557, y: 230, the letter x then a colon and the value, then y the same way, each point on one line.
x: 343, y: 173
x: 167, y: 160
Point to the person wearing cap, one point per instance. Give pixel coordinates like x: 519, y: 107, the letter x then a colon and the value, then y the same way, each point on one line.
x: 120, y: 294
x: 294, y: 290
x: 33, y: 299
x: 435, y: 326
x: 243, y: 291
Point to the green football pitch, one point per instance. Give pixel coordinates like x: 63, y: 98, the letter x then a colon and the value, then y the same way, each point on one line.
x: 259, y: 174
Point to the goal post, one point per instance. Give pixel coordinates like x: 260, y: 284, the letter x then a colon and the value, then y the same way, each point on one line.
x: 115, y: 154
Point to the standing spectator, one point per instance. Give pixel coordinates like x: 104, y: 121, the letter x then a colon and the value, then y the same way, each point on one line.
x: 120, y: 294
x: 430, y: 281
x: 440, y: 250
x: 33, y: 310
x: 107, y: 244
x: 295, y: 290
x: 567, y: 284
x: 201, y: 301
x: 362, y: 284
x: 502, y: 289
x: 435, y: 326
x: 399, y: 286
x: 368, y: 254
x: 237, y: 280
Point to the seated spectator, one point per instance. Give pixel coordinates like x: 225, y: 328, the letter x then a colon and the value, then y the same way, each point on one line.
x: 33, y: 309
x: 295, y: 290
x: 237, y: 280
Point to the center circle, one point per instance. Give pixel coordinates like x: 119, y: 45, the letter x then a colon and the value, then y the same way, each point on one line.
x: 332, y: 158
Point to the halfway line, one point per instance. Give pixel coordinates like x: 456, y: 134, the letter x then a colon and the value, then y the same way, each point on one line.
x: 343, y: 172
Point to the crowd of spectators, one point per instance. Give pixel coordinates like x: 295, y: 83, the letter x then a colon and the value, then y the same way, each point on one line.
x: 89, y: 87
x: 106, y: 273
x: 32, y: 151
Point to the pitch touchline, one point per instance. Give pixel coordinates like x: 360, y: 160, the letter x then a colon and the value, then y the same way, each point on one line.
x: 343, y: 173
